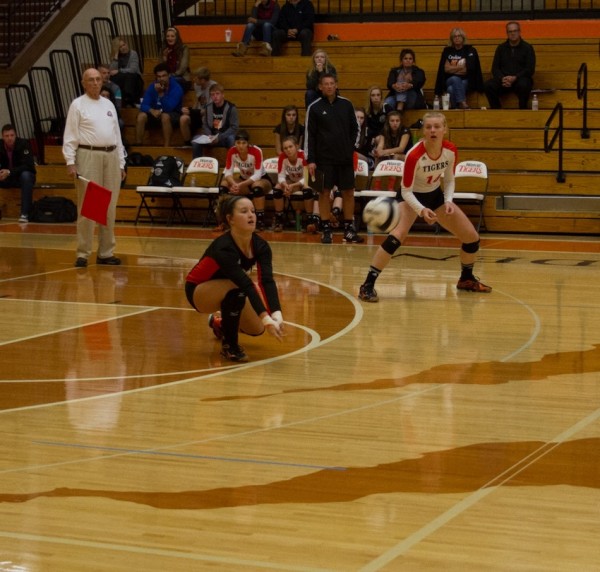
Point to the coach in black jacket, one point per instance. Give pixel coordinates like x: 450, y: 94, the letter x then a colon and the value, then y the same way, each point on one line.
x: 17, y: 167
x: 330, y: 135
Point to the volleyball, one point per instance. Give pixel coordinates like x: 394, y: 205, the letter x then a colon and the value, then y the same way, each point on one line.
x: 381, y: 214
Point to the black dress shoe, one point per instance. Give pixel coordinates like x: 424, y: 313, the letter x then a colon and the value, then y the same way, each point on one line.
x: 81, y: 262
x: 111, y: 260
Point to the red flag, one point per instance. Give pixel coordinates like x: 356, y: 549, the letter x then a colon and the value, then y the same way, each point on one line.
x: 95, y: 202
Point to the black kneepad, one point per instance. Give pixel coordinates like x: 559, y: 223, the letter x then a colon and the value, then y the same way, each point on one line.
x: 390, y: 244
x: 257, y: 192
x: 277, y: 193
x: 307, y: 194
x: 233, y: 302
x: 471, y: 247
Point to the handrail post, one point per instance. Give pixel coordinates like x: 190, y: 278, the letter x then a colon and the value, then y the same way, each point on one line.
x: 558, y: 133
x: 582, y: 91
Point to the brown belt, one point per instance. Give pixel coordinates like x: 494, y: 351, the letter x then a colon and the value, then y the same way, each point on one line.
x: 107, y: 149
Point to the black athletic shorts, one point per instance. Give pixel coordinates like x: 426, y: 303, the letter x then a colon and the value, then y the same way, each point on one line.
x: 432, y: 200
x: 341, y: 176
x: 189, y: 293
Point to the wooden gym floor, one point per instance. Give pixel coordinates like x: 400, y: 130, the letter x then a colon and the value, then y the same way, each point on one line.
x: 435, y: 430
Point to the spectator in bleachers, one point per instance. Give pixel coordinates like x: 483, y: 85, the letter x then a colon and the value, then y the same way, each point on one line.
x: 112, y: 86
x: 17, y: 167
x: 250, y: 178
x: 289, y: 125
x: 176, y: 55
x: 320, y: 66
x: 220, y: 123
x: 377, y: 110
x: 459, y: 70
x: 161, y: 106
x: 125, y: 71
x: 191, y: 117
x: 405, y: 83
x: 261, y: 23
x: 512, y: 69
x: 395, y: 139
x: 364, y: 143
x: 296, y: 23
x: 106, y: 91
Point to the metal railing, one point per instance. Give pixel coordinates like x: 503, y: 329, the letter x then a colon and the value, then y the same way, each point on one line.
x: 20, y: 20
x: 397, y: 10
x: 582, y: 91
x: 558, y: 134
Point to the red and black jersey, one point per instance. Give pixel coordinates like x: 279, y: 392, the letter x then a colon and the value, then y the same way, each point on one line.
x: 223, y: 259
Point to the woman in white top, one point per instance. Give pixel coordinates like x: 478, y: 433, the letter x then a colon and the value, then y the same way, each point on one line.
x: 429, y: 162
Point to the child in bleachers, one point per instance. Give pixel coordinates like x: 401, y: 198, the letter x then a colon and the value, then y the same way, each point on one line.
x: 289, y: 125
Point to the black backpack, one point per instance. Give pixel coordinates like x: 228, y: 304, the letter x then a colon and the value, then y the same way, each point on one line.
x: 54, y: 209
x: 166, y: 171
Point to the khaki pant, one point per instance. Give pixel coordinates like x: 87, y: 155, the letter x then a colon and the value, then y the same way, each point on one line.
x: 103, y: 168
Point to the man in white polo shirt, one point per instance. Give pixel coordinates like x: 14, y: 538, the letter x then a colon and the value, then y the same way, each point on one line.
x: 92, y: 148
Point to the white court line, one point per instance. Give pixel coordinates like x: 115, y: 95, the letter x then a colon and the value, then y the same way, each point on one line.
x: 492, y: 486
x: 150, y: 551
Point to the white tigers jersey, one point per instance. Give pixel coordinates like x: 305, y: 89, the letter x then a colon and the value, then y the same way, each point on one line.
x: 250, y: 168
x: 288, y: 172
x: 423, y: 174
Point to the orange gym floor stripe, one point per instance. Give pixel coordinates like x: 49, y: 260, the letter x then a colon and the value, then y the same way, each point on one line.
x: 414, y: 30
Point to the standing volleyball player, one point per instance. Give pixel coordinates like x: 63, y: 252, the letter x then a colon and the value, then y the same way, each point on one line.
x: 430, y: 160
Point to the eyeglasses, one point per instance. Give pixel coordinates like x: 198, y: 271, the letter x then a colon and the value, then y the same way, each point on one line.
x: 513, y: 31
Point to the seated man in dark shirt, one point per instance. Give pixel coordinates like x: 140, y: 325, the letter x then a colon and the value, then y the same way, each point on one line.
x: 296, y: 22
x: 512, y: 69
x: 17, y: 167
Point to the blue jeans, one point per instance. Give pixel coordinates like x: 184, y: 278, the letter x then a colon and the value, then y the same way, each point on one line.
x: 25, y: 181
x: 457, y: 87
x: 261, y: 31
x: 410, y: 99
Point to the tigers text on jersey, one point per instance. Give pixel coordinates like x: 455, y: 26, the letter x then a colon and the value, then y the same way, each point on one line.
x: 250, y: 168
x: 423, y: 174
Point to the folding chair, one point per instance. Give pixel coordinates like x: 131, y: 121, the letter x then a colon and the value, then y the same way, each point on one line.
x: 201, y: 182
x: 472, y: 187
x: 385, y: 180
x: 361, y: 178
x: 153, y: 192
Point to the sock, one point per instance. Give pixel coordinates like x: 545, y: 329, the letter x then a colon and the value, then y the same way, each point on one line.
x: 466, y: 272
x: 348, y: 226
x: 372, y: 275
x: 231, y: 309
x: 325, y: 226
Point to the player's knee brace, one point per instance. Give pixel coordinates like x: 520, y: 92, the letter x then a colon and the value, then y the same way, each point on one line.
x: 307, y: 194
x: 337, y: 194
x: 277, y: 193
x: 257, y: 192
x: 233, y: 302
x: 471, y: 247
x: 223, y: 190
x: 390, y: 244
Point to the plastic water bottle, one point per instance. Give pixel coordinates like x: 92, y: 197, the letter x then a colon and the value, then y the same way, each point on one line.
x: 436, y: 102
x: 535, y: 104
